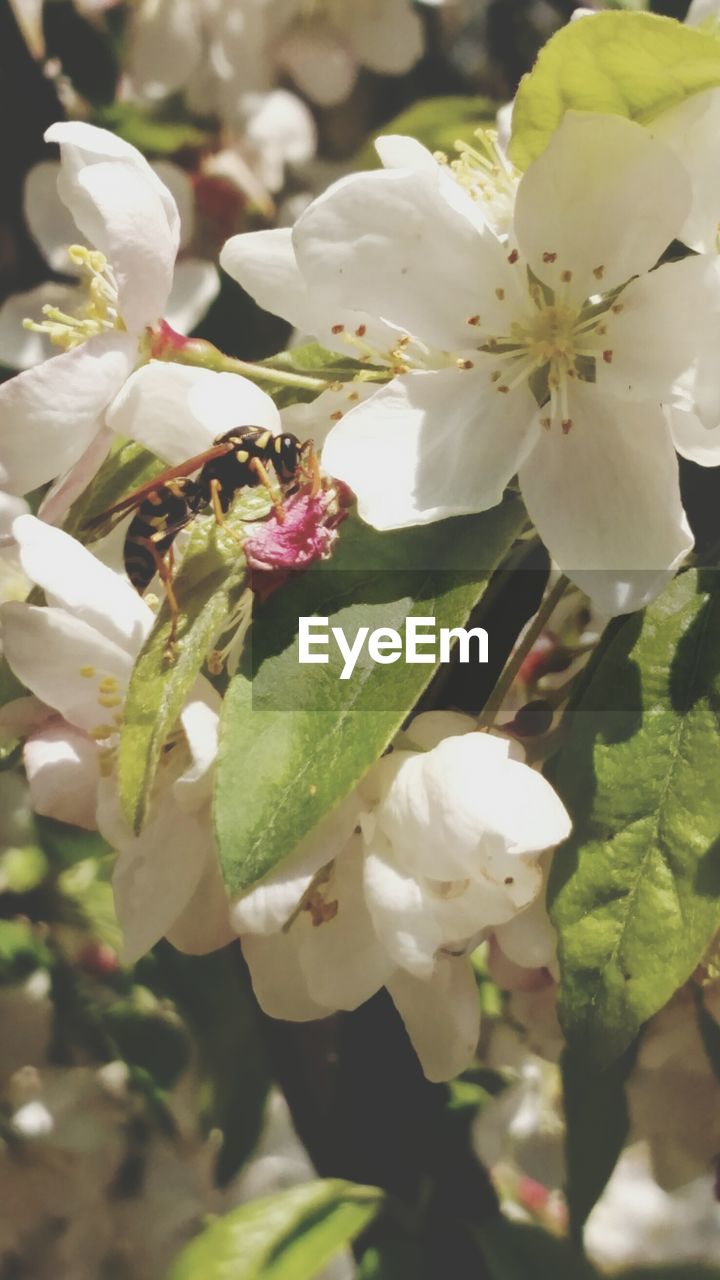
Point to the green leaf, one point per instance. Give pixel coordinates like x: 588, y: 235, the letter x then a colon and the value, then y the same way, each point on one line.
x: 127, y: 466
x: 436, y: 122
x: 290, y: 1236
x: 626, y: 64
x: 635, y: 892
x: 21, y: 951
x: 207, y: 587
x: 151, y: 133
x: 597, y: 1121
x: 295, y: 739
x: 514, y: 1251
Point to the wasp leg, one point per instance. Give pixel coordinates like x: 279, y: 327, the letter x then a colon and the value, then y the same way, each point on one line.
x: 215, y: 490
x: 262, y: 474
x: 314, y: 469
x: 164, y: 566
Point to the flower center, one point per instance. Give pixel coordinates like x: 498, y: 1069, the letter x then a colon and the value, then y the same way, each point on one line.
x: 550, y: 346
x: 98, y: 314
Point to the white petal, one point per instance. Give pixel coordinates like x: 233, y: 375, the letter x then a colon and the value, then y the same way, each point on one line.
x: 449, y: 443
x: 85, y: 144
x: 230, y: 400
x: 200, y: 718
x: 51, y: 224
x: 604, y: 194
x: 317, y: 418
x: 264, y: 263
x: 278, y: 980
x: 30, y: 634
x: 391, y: 46
x: 177, y: 411
x: 49, y: 414
x: 156, y: 875
x: 692, y: 439
x: 61, y: 765
x: 404, y: 921
x: 281, y: 123
x: 21, y: 348
x: 529, y: 939
x: 431, y: 727
x: 73, y: 578
x: 397, y: 151
x: 342, y: 958
x: 323, y: 68
x: 180, y: 186
x: 701, y: 11
x: 442, y: 807
x: 441, y: 1016
x: 267, y: 906
x: 125, y: 211
x: 165, y: 47
x: 195, y: 287
x: 660, y: 323
x: 61, y: 495
x: 691, y: 131
x: 204, y: 925
x: 605, y: 499
x: 388, y: 243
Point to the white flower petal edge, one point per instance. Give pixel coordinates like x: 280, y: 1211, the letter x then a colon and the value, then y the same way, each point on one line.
x: 398, y: 886
x: 442, y: 1016
x: 620, y: 531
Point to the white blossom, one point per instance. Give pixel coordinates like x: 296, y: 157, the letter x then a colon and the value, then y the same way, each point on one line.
x: 52, y: 415
x: 221, y: 52
x: 195, y: 281
x: 638, y: 1223
x: 76, y: 656
x: 547, y: 355
x: 439, y: 844
x: 674, y: 1094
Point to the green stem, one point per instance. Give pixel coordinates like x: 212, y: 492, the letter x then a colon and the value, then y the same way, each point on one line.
x: 203, y: 355
x: 520, y: 653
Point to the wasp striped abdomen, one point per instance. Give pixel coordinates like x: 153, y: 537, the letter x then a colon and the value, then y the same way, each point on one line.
x: 153, y: 529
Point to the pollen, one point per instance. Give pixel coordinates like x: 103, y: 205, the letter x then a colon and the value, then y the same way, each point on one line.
x: 549, y: 257
x: 566, y: 277
x: 566, y: 425
x: 361, y: 331
x: 336, y: 416
x: 338, y: 328
x: 98, y: 314
x: 500, y: 295
x: 88, y: 672
x: 598, y: 272
x: 109, y: 700
x: 102, y: 731
x: 465, y: 364
x: 513, y: 257
x: 607, y: 357
x: 474, y: 320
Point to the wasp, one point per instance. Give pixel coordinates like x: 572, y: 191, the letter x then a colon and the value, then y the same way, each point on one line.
x: 240, y: 458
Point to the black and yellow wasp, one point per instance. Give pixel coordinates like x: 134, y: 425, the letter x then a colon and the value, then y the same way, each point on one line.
x: 241, y: 458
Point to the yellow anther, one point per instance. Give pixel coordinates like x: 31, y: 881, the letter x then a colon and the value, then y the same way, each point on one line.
x: 108, y: 684
x: 110, y: 700
x: 102, y: 731
x: 99, y: 314
x: 88, y: 672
